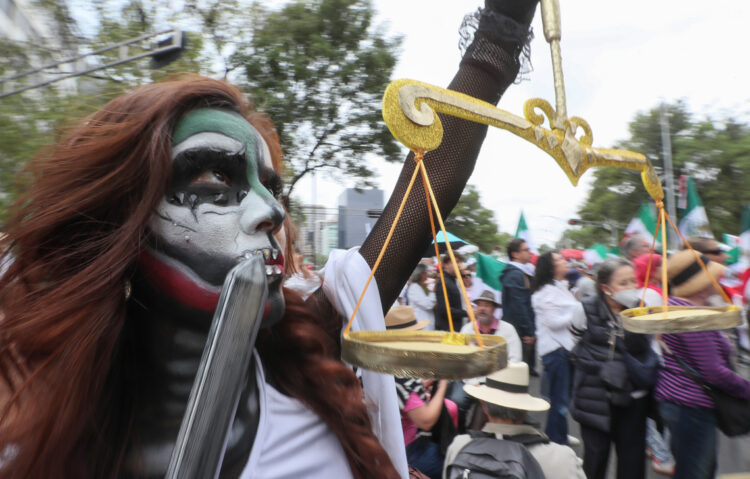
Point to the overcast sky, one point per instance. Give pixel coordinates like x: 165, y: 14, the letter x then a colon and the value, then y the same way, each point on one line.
x: 618, y: 57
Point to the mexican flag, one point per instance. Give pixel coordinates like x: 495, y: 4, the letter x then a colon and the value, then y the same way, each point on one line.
x: 745, y: 229
x: 731, y: 245
x: 644, y: 223
x: 523, y: 232
x: 488, y: 270
x: 597, y: 253
x: 693, y: 219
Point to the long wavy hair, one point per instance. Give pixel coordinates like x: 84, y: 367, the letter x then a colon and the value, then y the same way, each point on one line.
x: 71, y: 245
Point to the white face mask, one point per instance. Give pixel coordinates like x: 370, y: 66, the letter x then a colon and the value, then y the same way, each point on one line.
x: 630, y: 298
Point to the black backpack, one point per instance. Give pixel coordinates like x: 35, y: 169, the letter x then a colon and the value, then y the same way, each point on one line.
x: 486, y: 457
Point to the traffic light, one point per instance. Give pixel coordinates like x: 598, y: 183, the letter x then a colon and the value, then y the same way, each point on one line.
x: 172, y: 47
x: 574, y: 221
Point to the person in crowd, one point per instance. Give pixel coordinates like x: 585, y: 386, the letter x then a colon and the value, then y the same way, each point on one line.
x: 708, y: 247
x: 455, y: 303
x: 685, y: 408
x: 121, y: 242
x: 484, y: 310
x: 506, y: 402
x: 586, y: 285
x: 657, y: 443
x: 635, y: 246
x: 420, y: 406
x: 614, y: 369
x: 516, y: 298
x: 468, y: 279
x: 558, y: 315
x: 419, y: 296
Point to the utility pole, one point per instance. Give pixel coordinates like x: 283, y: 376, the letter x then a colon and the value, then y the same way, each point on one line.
x: 666, y: 146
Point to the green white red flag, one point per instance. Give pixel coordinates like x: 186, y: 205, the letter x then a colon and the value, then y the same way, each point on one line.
x: 523, y: 232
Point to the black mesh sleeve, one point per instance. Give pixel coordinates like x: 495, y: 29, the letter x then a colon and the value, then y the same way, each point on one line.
x: 487, y: 68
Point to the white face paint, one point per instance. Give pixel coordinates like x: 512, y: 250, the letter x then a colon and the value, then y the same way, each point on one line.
x: 218, y: 207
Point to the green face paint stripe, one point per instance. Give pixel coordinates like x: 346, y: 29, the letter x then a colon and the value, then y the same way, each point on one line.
x: 234, y: 126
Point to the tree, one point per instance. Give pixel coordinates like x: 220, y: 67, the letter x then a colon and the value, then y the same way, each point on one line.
x: 319, y: 69
x: 472, y: 222
x: 716, y: 153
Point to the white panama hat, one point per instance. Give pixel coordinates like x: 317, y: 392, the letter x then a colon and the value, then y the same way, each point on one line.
x: 508, y: 387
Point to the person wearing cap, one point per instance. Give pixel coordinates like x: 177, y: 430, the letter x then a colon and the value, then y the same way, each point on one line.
x: 505, y: 399
x: 419, y: 296
x: 685, y: 408
x: 558, y: 313
x: 484, y: 310
x: 420, y: 410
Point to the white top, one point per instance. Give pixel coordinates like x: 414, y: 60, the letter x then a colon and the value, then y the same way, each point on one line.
x: 344, y: 278
x: 556, y: 309
x: 423, y: 303
x: 292, y: 441
x: 557, y: 461
x: 507, y: 331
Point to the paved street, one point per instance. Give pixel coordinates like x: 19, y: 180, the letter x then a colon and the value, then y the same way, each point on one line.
x: 734, y: 453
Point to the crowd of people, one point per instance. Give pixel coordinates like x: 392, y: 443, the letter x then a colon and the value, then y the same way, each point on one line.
x: 113, y: 266
x: 624, y: 389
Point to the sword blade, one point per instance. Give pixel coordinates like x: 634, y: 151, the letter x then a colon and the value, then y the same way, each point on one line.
x: 222, y: 373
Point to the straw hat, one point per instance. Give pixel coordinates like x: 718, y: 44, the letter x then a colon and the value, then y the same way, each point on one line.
x: 403, y: 318
x: 686, y: 275
x: 509, y: 388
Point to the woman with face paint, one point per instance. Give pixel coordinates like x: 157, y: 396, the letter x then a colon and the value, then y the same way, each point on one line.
x: 614, y: 372
x: 116, y: 254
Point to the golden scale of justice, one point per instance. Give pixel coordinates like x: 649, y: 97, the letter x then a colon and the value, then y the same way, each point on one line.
x: 410, y: 110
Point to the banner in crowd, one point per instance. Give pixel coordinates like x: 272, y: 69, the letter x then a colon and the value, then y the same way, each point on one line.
x: 488, y: 270
x: 693, y: 219
x: 644, y: 223
x: 523, y: 232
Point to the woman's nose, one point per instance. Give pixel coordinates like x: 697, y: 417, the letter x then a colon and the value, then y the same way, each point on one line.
x: 260, y: 214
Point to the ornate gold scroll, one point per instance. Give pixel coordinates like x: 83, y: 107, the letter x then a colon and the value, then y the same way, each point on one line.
x: 410, y: 110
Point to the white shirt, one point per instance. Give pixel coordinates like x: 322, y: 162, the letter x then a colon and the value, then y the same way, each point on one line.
x: 344, y: 278
x: 423, y: 303
x: 292, y: 441
x: 556, y: 309
x: 507, y: 331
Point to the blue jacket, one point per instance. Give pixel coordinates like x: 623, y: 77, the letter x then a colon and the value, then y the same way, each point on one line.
x: 517, y: 308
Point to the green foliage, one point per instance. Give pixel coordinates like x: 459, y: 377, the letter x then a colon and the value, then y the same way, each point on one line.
x: 474, y: 223
x: 319, y: 69
x: 716, y: 153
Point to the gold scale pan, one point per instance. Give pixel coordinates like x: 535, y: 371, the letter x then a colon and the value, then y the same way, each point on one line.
x: 410, y: 110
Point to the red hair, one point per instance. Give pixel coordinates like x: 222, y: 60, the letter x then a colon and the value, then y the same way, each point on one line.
x: 74, y: 237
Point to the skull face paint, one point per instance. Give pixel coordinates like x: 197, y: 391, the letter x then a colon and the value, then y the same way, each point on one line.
x: 220, y: 205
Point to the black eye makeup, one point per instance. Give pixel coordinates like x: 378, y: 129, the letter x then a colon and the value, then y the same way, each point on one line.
x: 204, y: 175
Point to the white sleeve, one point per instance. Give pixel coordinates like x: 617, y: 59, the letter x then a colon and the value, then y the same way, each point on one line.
x: 514, y: 342
x: 417, y: 297
x: 344, y: 278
